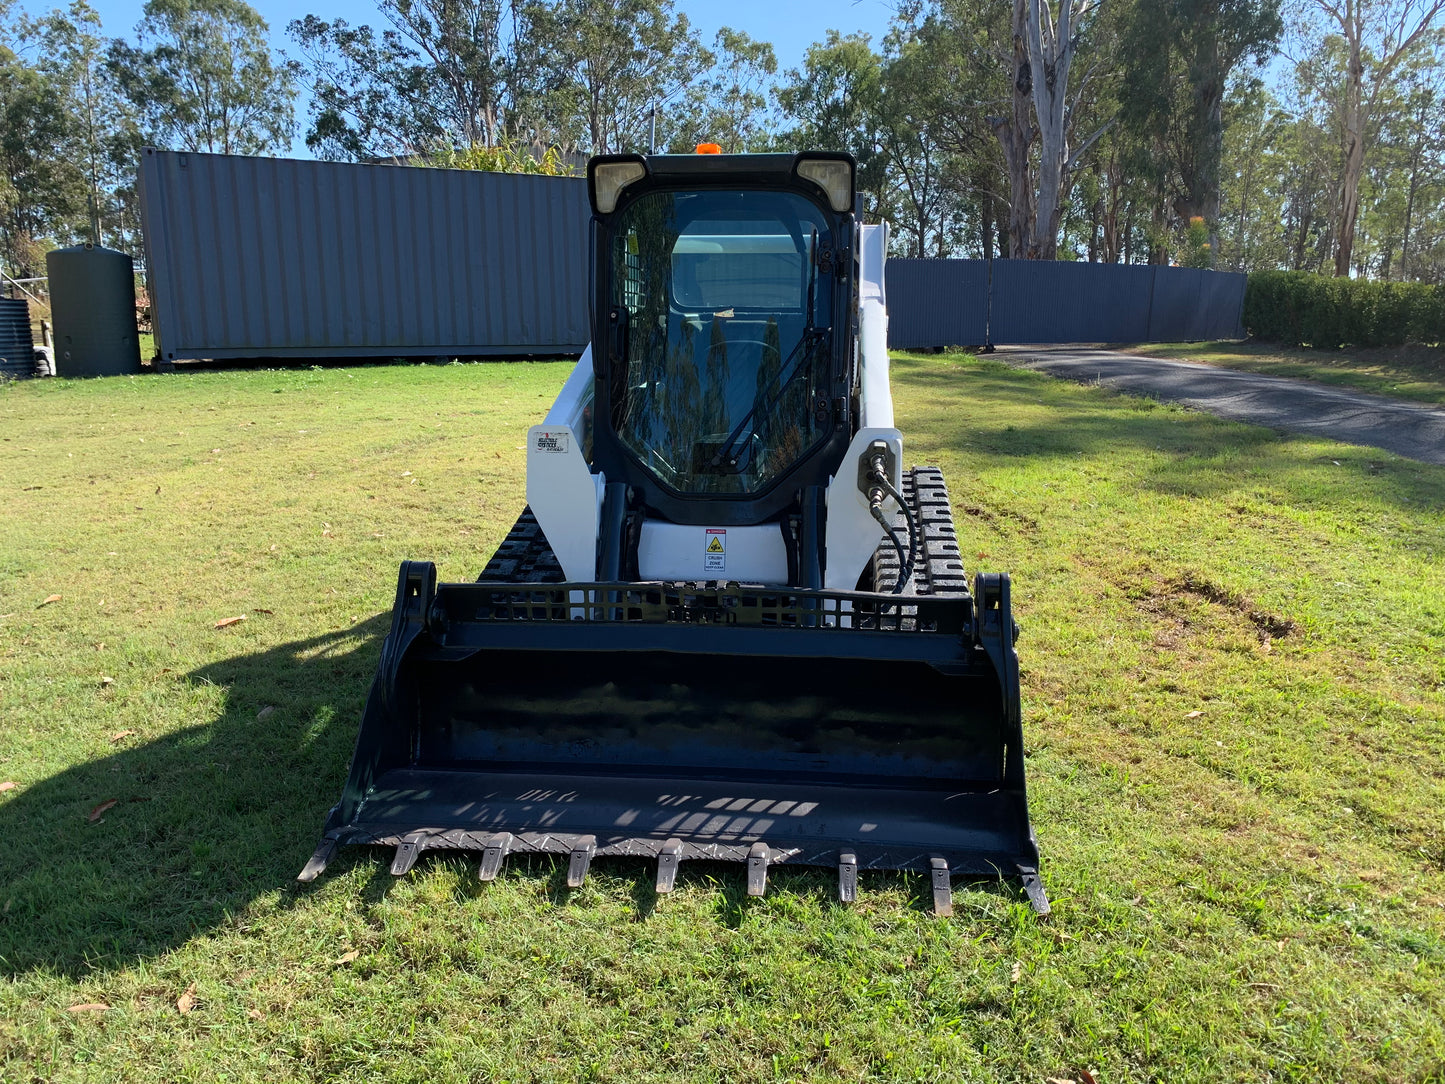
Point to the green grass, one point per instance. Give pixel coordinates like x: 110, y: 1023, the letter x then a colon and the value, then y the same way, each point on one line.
x: 1254, y: 892
x: 1413, y: 372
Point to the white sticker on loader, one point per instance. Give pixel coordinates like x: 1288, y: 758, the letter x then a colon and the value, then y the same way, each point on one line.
x: 714, y: 555
x: 553, y: 441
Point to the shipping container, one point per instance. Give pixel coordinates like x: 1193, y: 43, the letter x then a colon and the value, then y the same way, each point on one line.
x: 278, y: 258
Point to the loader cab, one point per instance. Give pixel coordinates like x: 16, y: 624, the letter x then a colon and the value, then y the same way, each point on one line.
x: 723, y: 329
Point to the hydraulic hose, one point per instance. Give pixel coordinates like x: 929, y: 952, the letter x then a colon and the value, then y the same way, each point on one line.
x: 883, y: 486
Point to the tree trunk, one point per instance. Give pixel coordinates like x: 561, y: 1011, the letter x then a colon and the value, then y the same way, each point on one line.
x: 1113, y: 189
x: 1016, y: 135
x: 1051, y: 53
x: 1409, y: 214
x: 1354, y: 159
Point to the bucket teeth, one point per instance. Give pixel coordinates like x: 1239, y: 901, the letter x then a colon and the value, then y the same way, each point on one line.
x: 758, y: 856
x: 406, y: 854
x: 1034, y: 890
x: 582, y: 851
x: 942, y: 887
x: 847, y: 877
x: 493, y: 855
x: 325, y: 851
x: 668, y: 857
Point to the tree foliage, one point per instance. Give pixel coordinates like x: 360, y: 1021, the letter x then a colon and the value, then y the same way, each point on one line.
x: 1177, y: 61
x: 203, y: 78
x: 41, y: 184
x: 438, y: 70
x: 1165, y: 131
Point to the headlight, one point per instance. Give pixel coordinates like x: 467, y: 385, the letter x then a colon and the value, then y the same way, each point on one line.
x: 610, y: 178
x: 834, y: 176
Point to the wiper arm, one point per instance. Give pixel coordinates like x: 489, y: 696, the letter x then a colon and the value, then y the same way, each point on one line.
x: 811, y: 333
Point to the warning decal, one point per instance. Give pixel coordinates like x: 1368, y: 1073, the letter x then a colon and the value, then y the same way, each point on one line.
x: 553, y: 441
x: 714, y: 555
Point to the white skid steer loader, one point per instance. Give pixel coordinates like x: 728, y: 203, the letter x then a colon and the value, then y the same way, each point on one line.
x: 729, y: 625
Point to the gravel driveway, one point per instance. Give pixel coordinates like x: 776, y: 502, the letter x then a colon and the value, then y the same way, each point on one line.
x: 1355, y: 417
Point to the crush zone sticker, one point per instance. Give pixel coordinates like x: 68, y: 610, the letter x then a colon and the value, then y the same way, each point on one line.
x: 714, y: 556
x: 552, y: 441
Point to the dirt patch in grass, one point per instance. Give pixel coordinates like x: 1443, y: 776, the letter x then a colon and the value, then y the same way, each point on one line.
x: 1271, y: 626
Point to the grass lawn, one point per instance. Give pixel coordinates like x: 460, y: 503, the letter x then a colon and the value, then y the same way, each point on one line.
x: 1412, y: 372
x: 1234, y: 696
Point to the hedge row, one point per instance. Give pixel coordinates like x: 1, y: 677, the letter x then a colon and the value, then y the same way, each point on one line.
x: 1304, y: 309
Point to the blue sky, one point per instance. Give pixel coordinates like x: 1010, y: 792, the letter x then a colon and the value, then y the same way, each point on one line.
x: 791, y: 25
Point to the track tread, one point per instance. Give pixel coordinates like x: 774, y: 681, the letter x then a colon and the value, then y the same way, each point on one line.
x: 525, y: 556
x: 938, y: 570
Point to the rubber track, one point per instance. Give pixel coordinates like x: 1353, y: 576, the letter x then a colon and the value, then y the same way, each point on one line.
x: 938, y: 569
x: 525, y: 556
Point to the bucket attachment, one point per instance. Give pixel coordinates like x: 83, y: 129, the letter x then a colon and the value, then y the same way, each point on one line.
x: 676, y: 722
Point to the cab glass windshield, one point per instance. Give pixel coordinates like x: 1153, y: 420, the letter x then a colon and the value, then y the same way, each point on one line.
x: 728, y: 320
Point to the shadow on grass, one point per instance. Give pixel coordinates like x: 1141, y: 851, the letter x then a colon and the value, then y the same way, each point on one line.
x: 205, y: 820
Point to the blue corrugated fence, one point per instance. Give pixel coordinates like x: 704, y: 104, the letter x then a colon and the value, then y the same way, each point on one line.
x: 935, y: 303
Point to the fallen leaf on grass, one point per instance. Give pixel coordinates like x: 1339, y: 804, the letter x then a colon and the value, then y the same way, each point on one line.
x: 346, y: 958
x: 9, y: 784
x: 1195, y: 714
x: 264, y: 712
x: 49, y: 599
x: 255, y: 1014
x: 187, y: 1001
x: 120, y: 735
x: 1017, y: 972
x: 1087, y: 1077
x: 106, y: 682
x: 100, y: 810
x: 1060, y: 1080
x: 258, y: 610
x: 227, y: 622
x: 89, y: 1006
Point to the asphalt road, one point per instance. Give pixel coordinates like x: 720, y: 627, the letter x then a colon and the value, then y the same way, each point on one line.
x: 1355, y: 417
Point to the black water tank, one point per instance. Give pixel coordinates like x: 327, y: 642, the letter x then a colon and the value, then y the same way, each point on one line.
x: 17, y: 348
x: 92, y: 300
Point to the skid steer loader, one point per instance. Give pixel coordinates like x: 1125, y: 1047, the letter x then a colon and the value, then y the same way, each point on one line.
x: 729, y: 625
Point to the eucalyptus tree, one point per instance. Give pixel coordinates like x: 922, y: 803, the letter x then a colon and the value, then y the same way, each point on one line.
x: 42, y: 189
x: 948, y: 58
x: 924, y: 179
x: 833, y: 101
x: 604, y: 65
x: 203, y: 78
x: 436, y: 72
x: 71, y: 50
x: 731, y: 104
x: 1178, y: 57
x: 1359, y: 50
